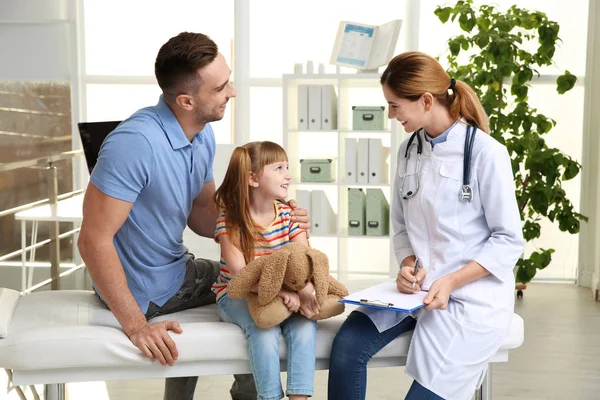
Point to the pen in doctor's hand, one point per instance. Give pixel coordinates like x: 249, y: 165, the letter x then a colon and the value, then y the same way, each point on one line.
x: 416, y: 270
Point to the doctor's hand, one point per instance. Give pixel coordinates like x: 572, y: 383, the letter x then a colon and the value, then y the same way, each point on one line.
x: 439, y: 294
x: 406, y: 282
x: 154, y: 341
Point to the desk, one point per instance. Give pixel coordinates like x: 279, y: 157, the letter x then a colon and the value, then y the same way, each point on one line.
x: 67, y: 210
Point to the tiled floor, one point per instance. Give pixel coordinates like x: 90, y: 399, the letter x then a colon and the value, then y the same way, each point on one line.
x: 560, y: 359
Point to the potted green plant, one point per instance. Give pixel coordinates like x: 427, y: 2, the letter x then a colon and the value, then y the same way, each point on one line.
x: 494, y: 60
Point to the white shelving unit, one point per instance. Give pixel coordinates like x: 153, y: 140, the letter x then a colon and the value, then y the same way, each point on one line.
x: 351, y: 258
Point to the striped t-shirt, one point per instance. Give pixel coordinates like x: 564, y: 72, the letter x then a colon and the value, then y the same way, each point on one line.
x: 279, y: 233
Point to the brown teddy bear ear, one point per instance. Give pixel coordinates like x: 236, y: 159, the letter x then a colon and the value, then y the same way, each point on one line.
x: 320, y: 264
x: 271, y: 279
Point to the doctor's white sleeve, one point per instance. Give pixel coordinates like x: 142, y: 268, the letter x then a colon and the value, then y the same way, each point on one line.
x: 496, y: 185
x: 402, y: 247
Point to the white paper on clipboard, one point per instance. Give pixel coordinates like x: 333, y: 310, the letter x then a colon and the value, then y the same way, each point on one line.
x: 386, y: 296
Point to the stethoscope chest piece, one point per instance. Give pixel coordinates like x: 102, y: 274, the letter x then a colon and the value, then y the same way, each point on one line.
x: 466, y: 193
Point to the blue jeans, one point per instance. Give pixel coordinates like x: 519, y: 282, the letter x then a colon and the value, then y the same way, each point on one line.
x: 356, y: 342
x: 300, y: 336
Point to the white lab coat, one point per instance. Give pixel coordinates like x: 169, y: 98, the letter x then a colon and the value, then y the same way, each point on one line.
x: 450, y: 348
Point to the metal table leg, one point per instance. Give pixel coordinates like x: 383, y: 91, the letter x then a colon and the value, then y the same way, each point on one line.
x: 54, y: 231
x: 55, y: 391
x: 31, y: 269
x: 485, y: 391
x: 23, y: 255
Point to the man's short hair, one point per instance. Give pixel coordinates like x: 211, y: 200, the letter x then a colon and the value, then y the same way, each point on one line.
x: 178, y: 61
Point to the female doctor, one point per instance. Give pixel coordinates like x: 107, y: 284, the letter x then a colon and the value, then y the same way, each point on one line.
x: 454, y: 209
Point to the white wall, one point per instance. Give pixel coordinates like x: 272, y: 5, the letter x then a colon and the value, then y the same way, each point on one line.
x: 34, y: 40
x: 589, y: 251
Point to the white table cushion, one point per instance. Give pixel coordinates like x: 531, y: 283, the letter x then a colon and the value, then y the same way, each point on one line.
x: 71, y: 329
x: 8, y: 302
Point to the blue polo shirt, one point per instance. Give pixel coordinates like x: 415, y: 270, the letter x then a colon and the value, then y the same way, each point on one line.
x: 148, y: 161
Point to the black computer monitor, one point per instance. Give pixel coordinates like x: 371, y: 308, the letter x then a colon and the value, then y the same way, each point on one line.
x: 92, y: 135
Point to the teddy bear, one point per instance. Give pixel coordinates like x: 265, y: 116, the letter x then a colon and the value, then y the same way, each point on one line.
x: 290, y: 268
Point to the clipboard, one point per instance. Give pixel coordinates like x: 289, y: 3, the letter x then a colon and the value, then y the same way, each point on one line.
x: 385, y: 296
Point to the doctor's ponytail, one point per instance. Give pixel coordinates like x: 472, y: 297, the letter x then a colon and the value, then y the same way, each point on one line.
x: 464, y: 102
x: 411, y: 74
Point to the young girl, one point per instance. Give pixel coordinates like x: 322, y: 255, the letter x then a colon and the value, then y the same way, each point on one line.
x: 256, y: 223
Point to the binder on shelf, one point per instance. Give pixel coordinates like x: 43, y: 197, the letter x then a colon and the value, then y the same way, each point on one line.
x: 328, y: 108
x: 303, y: 198
x: 351, y: 162
x: 377, y: 213
x: 378, y: 171
x: 356, y: 212
x: 314, y: 107
x: 303, y: 107
x: 362, y: 165
x: 323, y: 218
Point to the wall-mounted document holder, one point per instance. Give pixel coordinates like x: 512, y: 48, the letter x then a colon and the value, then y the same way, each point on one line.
x: 365, y: 47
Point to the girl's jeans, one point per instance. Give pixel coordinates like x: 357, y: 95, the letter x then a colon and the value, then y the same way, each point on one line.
x: 300, y: 336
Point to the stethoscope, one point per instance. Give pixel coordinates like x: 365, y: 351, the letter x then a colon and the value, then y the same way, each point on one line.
x: 466, y: 193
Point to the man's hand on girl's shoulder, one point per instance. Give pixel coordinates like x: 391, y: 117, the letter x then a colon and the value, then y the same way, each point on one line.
x: 299, y: 215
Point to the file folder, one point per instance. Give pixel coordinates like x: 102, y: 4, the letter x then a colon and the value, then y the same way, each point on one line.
x: 314, y: 107
x: 377, y: 213
x: 323, y: 218
x: 387, y: 297
x: 378, y: 170
x: 328, y: 108
x: 356, y: 212
x: 303, y: 107
x: 303, y: 198
x: 362, y: 165
x: 351, y: 162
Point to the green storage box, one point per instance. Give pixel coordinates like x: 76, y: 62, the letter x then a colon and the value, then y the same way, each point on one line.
x: 356, y: 212
x: 369, y: 118
x: 378, y: 213
x: 317, y: 170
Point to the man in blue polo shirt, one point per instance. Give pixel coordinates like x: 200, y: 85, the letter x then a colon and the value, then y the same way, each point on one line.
x: 154, y: 177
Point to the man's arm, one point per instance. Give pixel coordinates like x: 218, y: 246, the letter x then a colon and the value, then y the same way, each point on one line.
x: 203, y: 218
x: 102, y: 217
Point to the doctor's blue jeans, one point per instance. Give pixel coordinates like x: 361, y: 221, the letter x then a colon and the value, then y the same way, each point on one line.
x: 356, y: 342
x: 300, y: 336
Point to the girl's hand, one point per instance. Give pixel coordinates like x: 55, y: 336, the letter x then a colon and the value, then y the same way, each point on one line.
x: 290, y: 299
x: 439, y: 294
x: 309, y: 306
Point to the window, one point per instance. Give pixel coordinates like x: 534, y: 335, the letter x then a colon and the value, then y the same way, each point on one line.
x: 121, y: 43
x: 567, y: 109
x: 35, y: 121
